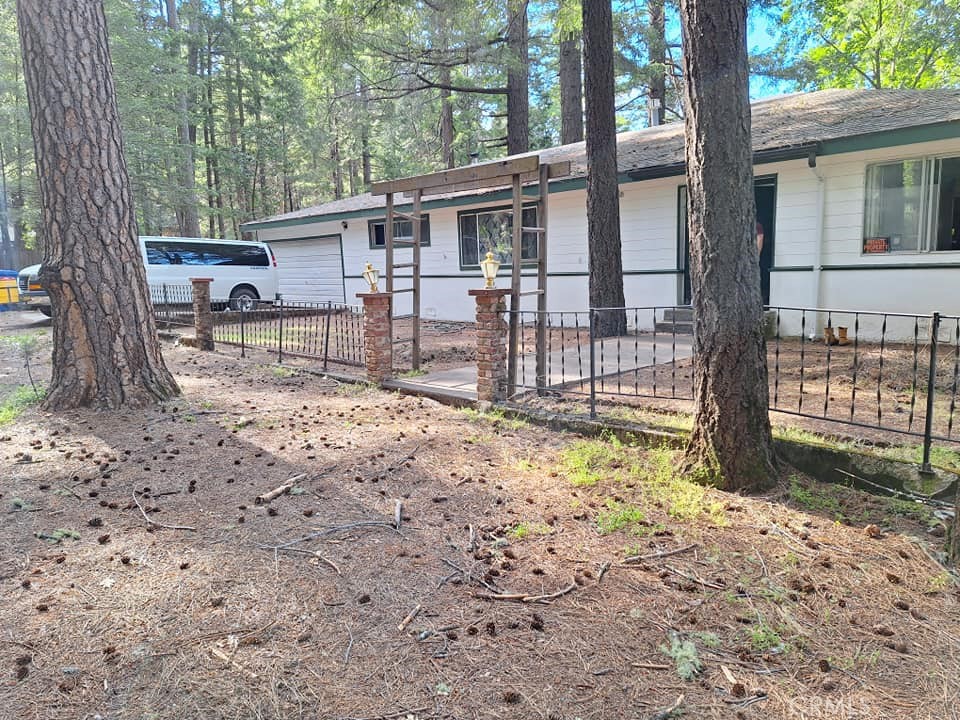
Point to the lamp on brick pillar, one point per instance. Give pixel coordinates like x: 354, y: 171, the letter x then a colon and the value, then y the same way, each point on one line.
x: 491, y: 340
x: 377, y: 329
x: 490, y: 267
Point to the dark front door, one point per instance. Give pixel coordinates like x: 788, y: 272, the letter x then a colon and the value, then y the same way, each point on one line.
x: 765, y: 196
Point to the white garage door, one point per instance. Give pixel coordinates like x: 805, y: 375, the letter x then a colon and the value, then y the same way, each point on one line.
x: 310, y: 269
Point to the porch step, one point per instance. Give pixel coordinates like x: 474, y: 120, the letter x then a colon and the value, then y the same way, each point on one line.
x: 680, y: 328
x: 679, y: 314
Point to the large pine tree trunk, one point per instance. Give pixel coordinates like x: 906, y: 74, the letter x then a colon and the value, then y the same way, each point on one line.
x: 731, y: 442
x: 518, y: 98
x: 571, y: 91
x: 105, y: 347
x: 603, y: 192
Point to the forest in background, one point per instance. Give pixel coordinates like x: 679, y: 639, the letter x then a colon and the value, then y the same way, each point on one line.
x: 242, y: 109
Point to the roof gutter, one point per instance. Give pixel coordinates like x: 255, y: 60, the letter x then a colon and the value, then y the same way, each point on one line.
x: 793, y: 152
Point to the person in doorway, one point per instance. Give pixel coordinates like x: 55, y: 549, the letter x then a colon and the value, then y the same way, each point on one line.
x: 759, y: 238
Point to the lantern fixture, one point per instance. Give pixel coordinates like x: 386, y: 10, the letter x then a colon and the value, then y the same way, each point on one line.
x: 490, y: 266
x: 371, y: 275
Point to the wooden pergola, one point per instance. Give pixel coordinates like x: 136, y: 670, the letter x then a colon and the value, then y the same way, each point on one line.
x: 514, y: 174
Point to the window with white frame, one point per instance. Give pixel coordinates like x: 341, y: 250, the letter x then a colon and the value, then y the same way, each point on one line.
x: 912, y: 206
x: 483, y: 231
x: 402, y: 232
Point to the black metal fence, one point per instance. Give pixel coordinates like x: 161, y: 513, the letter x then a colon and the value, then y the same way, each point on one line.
x: 889, y: 372
x: 326, y: 331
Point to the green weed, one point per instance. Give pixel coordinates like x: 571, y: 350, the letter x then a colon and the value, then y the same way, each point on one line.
x: 586, y: 462
x: 684, y: 655
x: 523, y: 530
x: 764, y: 638
x: 19, y: 400
x: 809, y: 497
x: 282, y: 371
x: 411, y: 373
x: 683, y: 497
x: 497, y: 417
x: 618, y: 516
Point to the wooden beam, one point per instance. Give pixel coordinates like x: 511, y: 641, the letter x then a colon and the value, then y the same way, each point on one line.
x: 469, y: 173
x: 554, y: 170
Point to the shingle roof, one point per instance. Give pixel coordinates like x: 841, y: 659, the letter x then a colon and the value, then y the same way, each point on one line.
x: 780, y: 123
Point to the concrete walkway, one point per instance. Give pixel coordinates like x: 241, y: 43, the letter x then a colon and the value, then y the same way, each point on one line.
x: 564, y: 367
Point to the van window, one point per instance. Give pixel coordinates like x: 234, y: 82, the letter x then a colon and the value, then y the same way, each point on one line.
x: 161, y: 252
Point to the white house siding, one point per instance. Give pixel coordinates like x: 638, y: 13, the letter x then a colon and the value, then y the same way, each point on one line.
x: 649, y: 231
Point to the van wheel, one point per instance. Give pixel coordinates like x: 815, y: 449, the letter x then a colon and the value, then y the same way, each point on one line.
x: 244, y: 298
x: 44, y: 310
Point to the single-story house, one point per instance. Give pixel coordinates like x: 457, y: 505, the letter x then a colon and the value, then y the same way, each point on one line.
x: 858, y: 198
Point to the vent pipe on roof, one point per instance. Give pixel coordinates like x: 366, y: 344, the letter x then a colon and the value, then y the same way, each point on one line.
x: 474, y: 157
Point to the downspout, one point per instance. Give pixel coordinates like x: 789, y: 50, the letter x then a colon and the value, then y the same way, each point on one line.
x: 817, y: 330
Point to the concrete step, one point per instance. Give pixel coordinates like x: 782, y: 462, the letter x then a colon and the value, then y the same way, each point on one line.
x: 680, y: 314
x: 680, y: 328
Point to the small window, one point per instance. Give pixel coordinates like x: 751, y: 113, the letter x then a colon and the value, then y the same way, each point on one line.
x: 486, y: 231
x: 912, y: 206
x: 402, y: 232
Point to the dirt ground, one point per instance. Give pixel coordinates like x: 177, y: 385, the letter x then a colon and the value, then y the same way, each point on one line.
x: 506, y: 592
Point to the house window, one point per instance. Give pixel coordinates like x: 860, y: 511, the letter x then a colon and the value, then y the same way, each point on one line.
x: 402, y: 232
x: 483, y: 231
x: 912, y: 206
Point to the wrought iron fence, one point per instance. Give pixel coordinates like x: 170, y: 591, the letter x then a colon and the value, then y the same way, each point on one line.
x: 326, y: 331
x: 172, y: 304
x: 889, y: 372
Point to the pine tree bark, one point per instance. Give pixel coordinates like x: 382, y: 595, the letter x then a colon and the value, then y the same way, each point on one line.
x: 105, y: 348
x: 731, y: 443
x: 571, y: 91
x: 603, y: 192
x: 518, y: 96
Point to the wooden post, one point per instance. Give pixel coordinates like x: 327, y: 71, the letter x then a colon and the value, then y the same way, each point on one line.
x: 417, y: 225
x: 202, y: 313
x: 515, y: 286
x: 542, y: 278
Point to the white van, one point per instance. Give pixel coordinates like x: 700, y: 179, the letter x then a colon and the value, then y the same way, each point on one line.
x: 242, y: 272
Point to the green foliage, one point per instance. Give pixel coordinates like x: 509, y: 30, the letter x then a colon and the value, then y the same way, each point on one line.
x: 683, y: 497
x: 684, y: 655
x: 618, y: 516
x: 524, y: 530
x: 764, y: 638
x: 19, y: 400
x: 814, y: 498
x: 866, y: 43
x: 497, y: 417
x: 586, y: 462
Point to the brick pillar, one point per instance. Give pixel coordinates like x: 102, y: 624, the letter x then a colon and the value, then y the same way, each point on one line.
x: 378, y: 335
x: 491, y: 344
x: 202, y: 313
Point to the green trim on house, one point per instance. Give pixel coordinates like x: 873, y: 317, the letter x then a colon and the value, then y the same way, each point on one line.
x: 896, y: 266
x: 471, y: 274
x: 892, y: 138
x: 792, y: 268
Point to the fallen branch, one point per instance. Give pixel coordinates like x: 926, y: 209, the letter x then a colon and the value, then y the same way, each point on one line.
x: 694, y: 578
x: 330, y: 531
x: 526, y: 597
x: 397, y: 513
x: 657, y: 555
x: 669, y: 712
x: 315, y: 554
x: 159, y: 524
x: 278, y: 491
x: 651, y: 666
x: 409, y: 618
